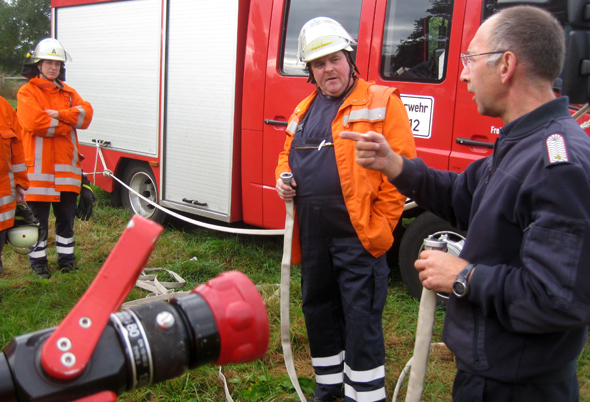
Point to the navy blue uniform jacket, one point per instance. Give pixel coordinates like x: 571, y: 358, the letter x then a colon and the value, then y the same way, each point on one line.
x: 527, y: 209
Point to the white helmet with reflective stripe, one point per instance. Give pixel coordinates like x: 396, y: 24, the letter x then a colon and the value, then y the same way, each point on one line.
x: 23, y: 236
x: 320, y: 37
x: 25, y: 232
x: 50, y: 49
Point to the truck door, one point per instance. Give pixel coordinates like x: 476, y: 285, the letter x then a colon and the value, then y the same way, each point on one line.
x: 474, y: 135
x: 286, y: 81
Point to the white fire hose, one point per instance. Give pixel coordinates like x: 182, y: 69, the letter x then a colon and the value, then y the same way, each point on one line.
x: 285, y: 292
x: 422, y: 346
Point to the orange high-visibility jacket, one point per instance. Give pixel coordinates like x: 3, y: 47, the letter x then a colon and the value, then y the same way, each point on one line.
x: 13, y: 170
x: 51, y: 145
x: 374, y: 204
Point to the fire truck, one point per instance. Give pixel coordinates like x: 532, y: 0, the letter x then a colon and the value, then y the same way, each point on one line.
x: 192, y: 97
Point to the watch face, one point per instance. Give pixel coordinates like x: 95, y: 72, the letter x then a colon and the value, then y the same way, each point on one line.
x: 459, y: 289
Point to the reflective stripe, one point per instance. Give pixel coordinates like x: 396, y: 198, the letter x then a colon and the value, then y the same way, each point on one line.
x: 21, y: 167
x: 42, y: 191
x: 292, y: 127
x: 42, y: 244
x: 330, y: 379
x: 67, y: 181
x: 51, y: 131
x: 64, y: 240
x: 68, y: 168
x: 7, y: 199
x: 365, y: 375
x: 80, y: 116
x: 12, y: 183
x: 64, y: 250
x: 371, y: 115
x: 368, y: 396
x: 6, y: 216
x: 38, y: 254
x: 328, y: 361
x: 40, y: 251
x: 73, y: 139
x: 41, y: 177
x: 38, y: 167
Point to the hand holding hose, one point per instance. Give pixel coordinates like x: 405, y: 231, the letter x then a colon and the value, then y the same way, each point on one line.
x: 286, y: 187
x: 438, y: 270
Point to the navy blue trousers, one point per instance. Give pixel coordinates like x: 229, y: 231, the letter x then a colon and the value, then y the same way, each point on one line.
x: 562, y: 387
x: 344, y: 291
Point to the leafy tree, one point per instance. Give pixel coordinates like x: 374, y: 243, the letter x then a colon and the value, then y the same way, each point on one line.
x: 22, y: 24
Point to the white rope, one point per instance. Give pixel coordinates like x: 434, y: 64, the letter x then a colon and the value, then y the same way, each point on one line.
x: 159, y: 291
x: 228, y: 397
x: 109, y: 173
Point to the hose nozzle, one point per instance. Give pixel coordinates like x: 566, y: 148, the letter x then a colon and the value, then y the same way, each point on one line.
x: 286, y: 177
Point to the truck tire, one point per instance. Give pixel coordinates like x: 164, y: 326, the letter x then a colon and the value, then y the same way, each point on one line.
x: 423, y: 226
x: 139, y: 177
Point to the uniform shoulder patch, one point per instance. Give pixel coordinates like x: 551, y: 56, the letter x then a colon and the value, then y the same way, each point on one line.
x: 555, y: 148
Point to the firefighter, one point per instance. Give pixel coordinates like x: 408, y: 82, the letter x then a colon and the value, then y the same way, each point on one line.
x: 50, y: 112
x: 13, y: 171
x: 518, y: 314
x: 345, y: 214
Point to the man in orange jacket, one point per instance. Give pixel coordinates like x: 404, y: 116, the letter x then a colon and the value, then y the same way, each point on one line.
x: 346, y: 214
x: 13, y: 171
x: 50, y: 112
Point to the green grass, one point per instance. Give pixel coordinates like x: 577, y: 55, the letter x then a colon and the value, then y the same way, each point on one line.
x: 29, y: 304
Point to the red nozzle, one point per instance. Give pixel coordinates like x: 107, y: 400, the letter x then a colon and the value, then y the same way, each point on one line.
x: 240, y: 315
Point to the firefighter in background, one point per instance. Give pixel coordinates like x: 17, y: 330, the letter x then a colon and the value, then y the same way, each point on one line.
x: 345, y: 214
x: 13, y: 171
x: 50, y: 112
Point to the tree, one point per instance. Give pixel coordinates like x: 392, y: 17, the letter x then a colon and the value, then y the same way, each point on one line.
x: 23, y: 23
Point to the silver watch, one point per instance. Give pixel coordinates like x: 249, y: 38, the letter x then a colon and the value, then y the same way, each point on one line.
x: 461, y: 285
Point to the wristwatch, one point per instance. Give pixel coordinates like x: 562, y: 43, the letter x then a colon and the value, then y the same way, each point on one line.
x: 461, y: 285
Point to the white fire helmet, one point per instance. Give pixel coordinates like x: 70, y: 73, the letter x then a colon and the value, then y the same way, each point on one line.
x: 25, y: 232
x: 23, y: 236
x: 320, y: 37
x: 50, y: 49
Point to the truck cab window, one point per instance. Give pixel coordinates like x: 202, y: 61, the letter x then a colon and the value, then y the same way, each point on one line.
x: 555, y: 7
x: 416, y: 40
x: 297, y: 13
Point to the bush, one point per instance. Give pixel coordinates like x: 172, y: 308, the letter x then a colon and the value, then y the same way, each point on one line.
x: 10, y: 87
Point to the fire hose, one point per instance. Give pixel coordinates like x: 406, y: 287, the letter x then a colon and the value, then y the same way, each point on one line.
x: 425, y: 317
x: 423, y: 332
x: 285, y: 293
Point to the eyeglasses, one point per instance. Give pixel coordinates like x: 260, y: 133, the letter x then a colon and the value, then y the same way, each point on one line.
x: 465, y: 57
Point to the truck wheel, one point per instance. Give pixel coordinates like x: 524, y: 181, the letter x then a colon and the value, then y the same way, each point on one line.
x: 423, y: 226
x: 140, y: 178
